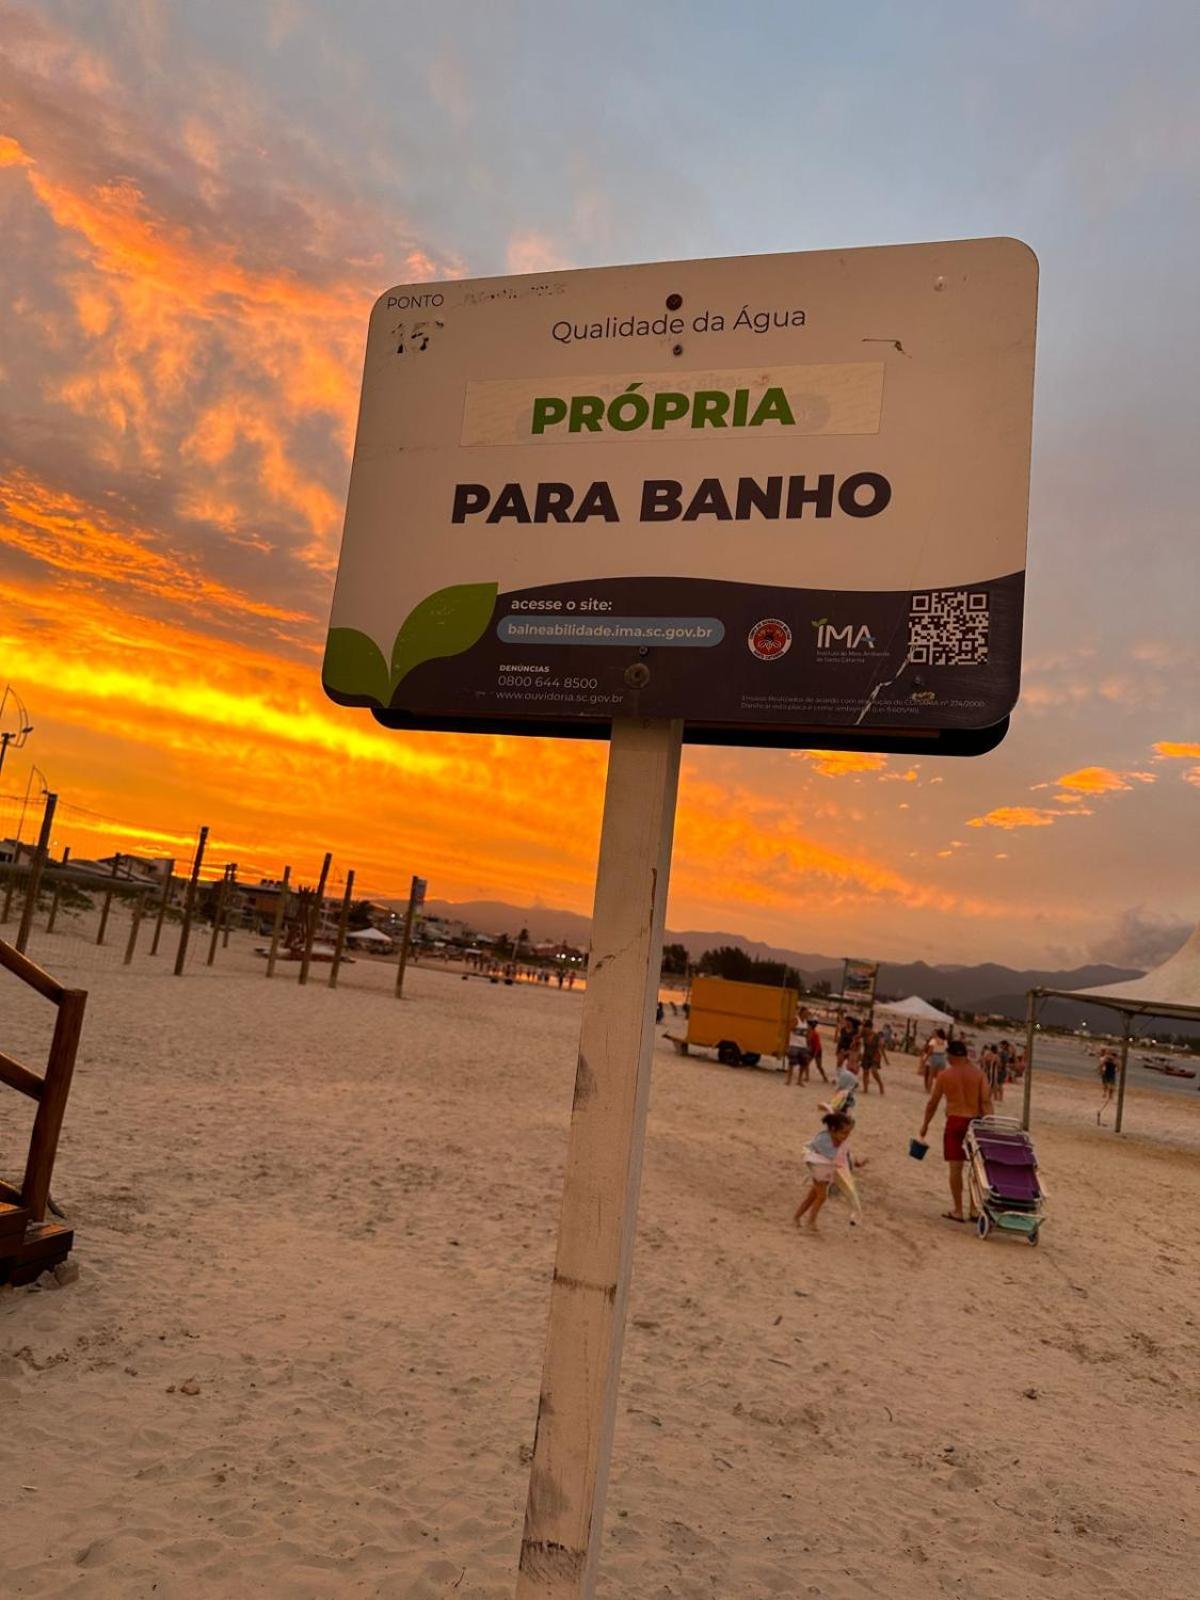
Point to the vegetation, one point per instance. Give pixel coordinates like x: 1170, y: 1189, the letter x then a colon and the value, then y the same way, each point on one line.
x: 730, y: 962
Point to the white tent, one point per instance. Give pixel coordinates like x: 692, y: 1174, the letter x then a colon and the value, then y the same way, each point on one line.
x: 368, y: 936
x: 1172, y: 990
x: 914, y: 1009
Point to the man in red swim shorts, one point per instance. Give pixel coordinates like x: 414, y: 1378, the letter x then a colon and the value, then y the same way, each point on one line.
x: 965, y: 1090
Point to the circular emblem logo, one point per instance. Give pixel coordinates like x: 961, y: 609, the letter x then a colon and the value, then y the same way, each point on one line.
x: 770, y: 639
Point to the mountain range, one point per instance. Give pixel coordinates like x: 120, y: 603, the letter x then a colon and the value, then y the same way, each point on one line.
x: 986, y: 988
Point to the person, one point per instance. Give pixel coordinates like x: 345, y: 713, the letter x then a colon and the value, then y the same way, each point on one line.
x: 989, y: 1060
x: 933, y: 1057
x: 826, y: 1158
x: 1108, y: 1083
x: 813, y: 1041
x: 797, y: 1057
x: 847, y: 1027
x: 874, y: 1057
x: 965, y: 1090
x: 659, y: 1013
x: 845, y: 1088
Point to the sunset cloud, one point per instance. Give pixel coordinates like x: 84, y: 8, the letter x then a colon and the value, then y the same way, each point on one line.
x: 844, y: 763
x: 1017, y: 817
x: 1178, y: 750
x: 1093, y: 780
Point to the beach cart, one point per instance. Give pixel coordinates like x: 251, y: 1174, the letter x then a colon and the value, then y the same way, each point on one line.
x: 742, y: 1022
x: 1002, y: 1178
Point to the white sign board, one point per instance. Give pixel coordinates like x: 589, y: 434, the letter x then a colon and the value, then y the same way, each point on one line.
x: 780, y: 497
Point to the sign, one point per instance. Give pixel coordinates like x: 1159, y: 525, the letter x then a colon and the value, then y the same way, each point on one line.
x: 858, y: 981
x: 783, y: 498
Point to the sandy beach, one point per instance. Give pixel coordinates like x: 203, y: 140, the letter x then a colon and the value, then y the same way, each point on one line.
x: 314, y: 1238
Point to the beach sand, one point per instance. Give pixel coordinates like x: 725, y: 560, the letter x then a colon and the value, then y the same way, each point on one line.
x: 315, y: 1233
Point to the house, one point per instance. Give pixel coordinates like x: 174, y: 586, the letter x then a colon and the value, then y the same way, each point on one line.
x: 149, y: 871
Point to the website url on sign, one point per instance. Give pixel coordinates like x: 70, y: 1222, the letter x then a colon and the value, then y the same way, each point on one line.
x: 702, y: 631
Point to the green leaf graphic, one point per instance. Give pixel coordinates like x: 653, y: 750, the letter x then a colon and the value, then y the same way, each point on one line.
x: 444, y: 624
x: 354, y: 664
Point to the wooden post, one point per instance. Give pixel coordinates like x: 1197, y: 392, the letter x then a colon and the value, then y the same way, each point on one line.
x: 34, y: 880
x: 162, y: 906
x: 35, y: 1191
x: 1121, y: 1075
x: 564, y: 1511
x: 280, y: 911
x: 139, y: 907
x: 108, y: 901
x: 315, y: 918
x: 340, y: 943
x: 52, y: 918
x: 10, y: 885
x: 229, y: 903
x: 1030, y: 1035
x: 217, y: 914
x: 189, y: 903
x: 406, y: 939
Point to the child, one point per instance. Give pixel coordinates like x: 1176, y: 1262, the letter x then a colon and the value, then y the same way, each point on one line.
x: 827, y: 1160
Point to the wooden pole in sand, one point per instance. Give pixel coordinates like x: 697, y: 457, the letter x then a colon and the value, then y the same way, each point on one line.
x: 217, y: 915
x: 416, y: 893
x: 162, y: 906
x: 1121, y: 1075
x: 340, y: 942
x: 229, y: 904
x: 189, y: 902
x: 50, y: 920
x: 10, y: 885
x: 280, y: 909
x: 34, y: 877
x: 564, y: 1512
x: 318, y: 906
x: 139, y: 907
x: 34, y: 880
x: 108, y: 901
x: 1030, y: 1035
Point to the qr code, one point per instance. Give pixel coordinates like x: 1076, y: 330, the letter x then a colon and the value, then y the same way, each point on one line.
x: 949, y: 628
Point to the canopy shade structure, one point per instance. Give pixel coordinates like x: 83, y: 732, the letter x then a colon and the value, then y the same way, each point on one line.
x: 1170, y: 990
x: 368, y: 936
x: 915, y: 1009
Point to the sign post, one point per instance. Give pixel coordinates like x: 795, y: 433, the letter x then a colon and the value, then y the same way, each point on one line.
x: 564, y: 1512
x: 770, y: 501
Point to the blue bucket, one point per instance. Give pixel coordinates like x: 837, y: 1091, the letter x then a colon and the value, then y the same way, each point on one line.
x: 917, y: 1150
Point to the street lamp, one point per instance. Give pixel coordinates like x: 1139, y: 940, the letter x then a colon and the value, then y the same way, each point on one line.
x: 18, y: 735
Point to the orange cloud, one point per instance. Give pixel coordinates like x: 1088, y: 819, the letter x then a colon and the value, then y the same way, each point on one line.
x: 535, y: 252
x: 58, y: 530
x: 1177, y: 750
x: 843, y: 763
x: 1093, y: 780
x: 1018, y: 817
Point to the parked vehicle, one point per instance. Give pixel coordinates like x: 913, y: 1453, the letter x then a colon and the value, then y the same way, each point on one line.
x: 742, y: 1022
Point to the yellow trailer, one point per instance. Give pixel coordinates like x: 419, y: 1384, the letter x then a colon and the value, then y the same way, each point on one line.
x: 740, y: 1021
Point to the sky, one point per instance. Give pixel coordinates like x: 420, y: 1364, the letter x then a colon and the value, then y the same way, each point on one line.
x: 198, y: 206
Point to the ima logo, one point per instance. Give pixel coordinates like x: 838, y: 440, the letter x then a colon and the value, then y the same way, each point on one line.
x: 854, y: 636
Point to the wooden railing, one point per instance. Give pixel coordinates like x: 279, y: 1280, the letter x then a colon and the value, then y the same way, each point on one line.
x: 51, y: 1091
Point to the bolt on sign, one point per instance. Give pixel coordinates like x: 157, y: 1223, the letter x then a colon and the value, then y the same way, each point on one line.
x: 782, y: 498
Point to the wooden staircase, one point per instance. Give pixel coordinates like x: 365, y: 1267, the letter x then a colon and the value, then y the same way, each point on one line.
x: 31, y: 1243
